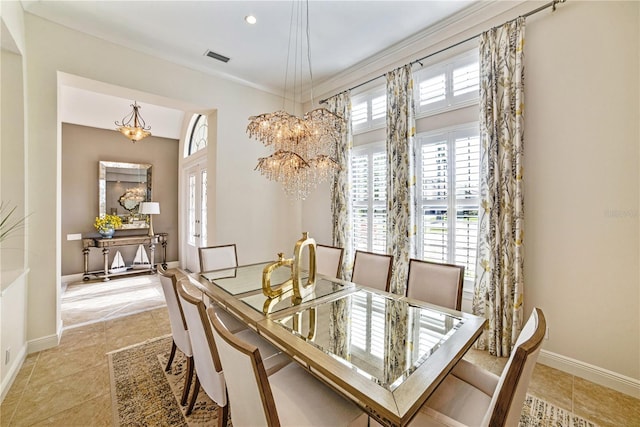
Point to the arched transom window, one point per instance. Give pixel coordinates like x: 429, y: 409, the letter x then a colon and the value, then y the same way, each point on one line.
x: 197, y: 134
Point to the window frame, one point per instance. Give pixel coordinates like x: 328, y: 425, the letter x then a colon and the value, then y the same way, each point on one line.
x: 194, y: 127
x: 452, y: 204
x: 446, y: 67
x: 369, y: 97
x: 372, y: 204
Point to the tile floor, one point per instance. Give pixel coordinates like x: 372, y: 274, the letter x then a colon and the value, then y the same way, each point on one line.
x: 69, y: 385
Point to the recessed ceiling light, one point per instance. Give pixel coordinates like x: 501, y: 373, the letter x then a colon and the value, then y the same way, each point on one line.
x: 250, y: 19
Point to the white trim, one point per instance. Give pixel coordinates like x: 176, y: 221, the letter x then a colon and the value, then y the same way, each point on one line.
x: 44, y: 343
x: 13, y: 372
x: 604, y: 377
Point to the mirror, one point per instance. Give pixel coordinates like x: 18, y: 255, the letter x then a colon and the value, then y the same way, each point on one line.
x: 121, y: 188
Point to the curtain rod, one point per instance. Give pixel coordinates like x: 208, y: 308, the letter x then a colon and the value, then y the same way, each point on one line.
x: 552, y: 4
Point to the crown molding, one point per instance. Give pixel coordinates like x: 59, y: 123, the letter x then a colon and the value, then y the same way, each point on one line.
x: 447, y: 32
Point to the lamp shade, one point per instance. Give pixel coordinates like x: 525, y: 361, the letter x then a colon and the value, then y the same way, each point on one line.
x: 149, y: 208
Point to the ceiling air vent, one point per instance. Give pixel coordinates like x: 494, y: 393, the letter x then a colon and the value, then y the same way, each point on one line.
x: 217, y: 56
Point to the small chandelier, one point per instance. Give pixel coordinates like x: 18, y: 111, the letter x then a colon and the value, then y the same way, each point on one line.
x: 304, y: 147
x: 133, y: 125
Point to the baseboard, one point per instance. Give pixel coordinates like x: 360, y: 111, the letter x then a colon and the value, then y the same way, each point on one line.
x: 13, y: 372
x: 44, y: 343
x: 74, y: 278
x: 592, y: 373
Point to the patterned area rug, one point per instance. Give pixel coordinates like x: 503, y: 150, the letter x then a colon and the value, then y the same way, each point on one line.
x: 143, y: 394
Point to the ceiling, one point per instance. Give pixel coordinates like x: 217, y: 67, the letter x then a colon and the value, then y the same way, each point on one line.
x: 342, y: 34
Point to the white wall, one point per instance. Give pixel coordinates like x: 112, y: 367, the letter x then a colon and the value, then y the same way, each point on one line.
x: 581, y: 176
x: 248, y: 209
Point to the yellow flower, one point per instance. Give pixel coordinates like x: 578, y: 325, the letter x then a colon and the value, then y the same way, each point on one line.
x: 107, y: 221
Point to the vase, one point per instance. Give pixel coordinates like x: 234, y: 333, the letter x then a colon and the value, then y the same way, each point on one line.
x: 106, y: 233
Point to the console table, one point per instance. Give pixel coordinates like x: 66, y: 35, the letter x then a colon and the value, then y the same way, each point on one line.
x: 107, y: 244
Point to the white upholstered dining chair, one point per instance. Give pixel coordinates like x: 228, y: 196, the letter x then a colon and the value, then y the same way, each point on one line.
x: 436, y: 283
x: 218, y: 258
x: 372, y: 270
x: 179, y: 331
x: 209, y: 371
x: 329, y: 260
x: 289, y: 397
x: 472, y: 396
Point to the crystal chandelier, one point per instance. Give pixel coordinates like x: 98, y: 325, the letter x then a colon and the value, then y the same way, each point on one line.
x: 133, y: 125
x: 304, y: 147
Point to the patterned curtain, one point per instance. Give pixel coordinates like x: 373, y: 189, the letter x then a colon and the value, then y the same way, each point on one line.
x: 340, y: 190
x: 401, y: 180
x: 499, y: 282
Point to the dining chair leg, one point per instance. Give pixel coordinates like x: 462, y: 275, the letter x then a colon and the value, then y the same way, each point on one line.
x: 194, y: 396
x: 223, y: 415
x: 187, y: 380
x: 171, y: 356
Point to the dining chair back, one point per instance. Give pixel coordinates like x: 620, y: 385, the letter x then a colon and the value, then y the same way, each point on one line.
x: 289, y: 397
x: 208, y: 368
x: 329, y: 260
x: 179, y: 330
x: 218, y: 257
x: 472, y: 396
x: 372, y: 270
x: 435, y: 283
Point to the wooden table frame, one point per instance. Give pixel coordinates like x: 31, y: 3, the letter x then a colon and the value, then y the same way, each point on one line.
x: 393, y: 408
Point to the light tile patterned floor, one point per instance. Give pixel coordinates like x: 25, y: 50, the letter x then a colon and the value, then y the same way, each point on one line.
x: 69, y: 385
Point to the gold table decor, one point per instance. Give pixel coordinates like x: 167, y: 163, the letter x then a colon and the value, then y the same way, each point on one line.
x: 301, y: 288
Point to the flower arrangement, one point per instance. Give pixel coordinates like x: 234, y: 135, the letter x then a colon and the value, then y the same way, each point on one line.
x: 107, y: 221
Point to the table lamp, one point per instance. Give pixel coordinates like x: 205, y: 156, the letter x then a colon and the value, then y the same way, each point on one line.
x: 150, y: 208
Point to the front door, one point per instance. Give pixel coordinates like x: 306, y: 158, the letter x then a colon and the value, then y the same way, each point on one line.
x: 196, y: 232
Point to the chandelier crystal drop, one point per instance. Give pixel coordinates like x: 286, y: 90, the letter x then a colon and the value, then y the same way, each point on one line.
x: 133, y: 126
x: 304, y: 147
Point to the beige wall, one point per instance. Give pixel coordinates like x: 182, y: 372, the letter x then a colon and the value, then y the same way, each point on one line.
x: 582, y: 186
x: 12, y: 168
x: 82, y: 148
x: 582, y: 183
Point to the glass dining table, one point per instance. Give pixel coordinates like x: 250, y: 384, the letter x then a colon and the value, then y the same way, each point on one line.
x: 385, y: 352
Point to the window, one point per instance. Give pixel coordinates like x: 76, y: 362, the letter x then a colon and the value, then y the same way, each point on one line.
x: 369, y: 197
x: 197, y: 134
x: 448, y: 196
x: 369, y: 110
x: 447, y: 85
x: 447, y: 164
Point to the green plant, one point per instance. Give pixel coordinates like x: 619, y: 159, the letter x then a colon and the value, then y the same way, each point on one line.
x: 8, y: 223
x: 107, y: 221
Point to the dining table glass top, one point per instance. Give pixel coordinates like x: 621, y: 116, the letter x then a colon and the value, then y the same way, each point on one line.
x: 266, y: 305
x: 243, y: 279
x: 382, y: 338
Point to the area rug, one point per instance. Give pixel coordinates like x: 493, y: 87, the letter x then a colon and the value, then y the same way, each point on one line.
x: 143, y: 394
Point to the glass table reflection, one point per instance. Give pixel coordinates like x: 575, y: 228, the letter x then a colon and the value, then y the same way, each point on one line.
x: 381, y: 338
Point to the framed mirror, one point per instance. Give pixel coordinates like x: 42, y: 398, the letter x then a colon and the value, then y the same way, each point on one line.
x: 121, y: 189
